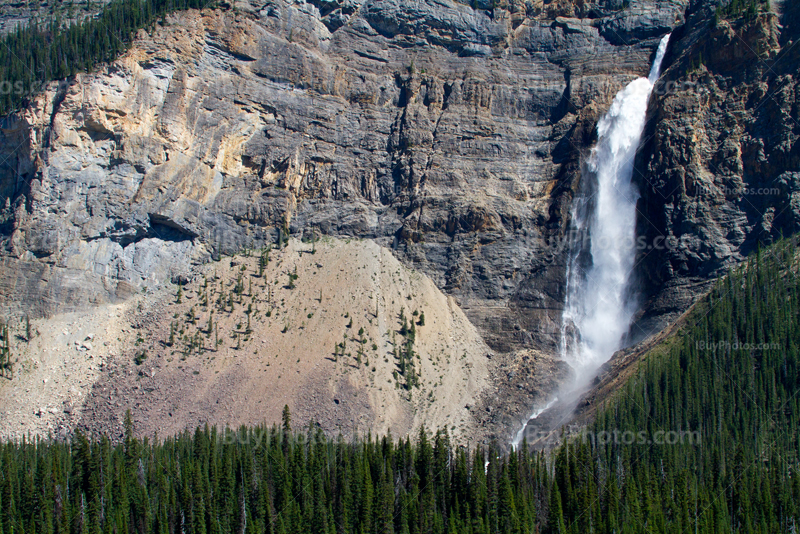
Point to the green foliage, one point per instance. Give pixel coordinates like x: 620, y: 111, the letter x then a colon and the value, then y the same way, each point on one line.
x: 6, y: 367
x: 263, y: 260
x: 735, y: 9
x: 266, y: 480
x: 732, y: 376
x: 140, y: 357
x: 283, y: 233
x: 40, y: 53
x: 292, y: 277
x: 286, y: 418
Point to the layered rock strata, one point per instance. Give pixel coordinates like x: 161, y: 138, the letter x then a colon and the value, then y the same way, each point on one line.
x: 450, y: 133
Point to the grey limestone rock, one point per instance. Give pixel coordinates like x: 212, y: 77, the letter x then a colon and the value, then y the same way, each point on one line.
x: 448, y: 131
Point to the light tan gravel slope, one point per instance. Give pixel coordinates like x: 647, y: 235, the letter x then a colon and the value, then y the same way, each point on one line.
x: 303, y: 349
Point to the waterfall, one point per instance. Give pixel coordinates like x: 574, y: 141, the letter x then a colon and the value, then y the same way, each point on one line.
x: 598, y: 310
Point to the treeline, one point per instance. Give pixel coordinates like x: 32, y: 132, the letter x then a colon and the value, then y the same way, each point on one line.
x: 732, y: 378
x: 267, y: 480
x: 742, y: 8
x: 724, y: 389
x: 39, y: 53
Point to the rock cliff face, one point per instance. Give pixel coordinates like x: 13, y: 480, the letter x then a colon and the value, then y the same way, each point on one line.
x: 450, y: 133
x: 719, y: 170
x: 19, y: 12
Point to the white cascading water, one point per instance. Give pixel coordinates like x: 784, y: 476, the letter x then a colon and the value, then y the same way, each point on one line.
x: 597, y: 311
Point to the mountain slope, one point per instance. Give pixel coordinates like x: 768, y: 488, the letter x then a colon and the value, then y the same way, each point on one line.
x: 733, y: 469
x: 705, y: 433
x: 339, y: 331
x: 455, y: 140
x: 450, y: 134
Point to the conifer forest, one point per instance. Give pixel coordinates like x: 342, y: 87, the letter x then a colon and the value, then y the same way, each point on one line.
x: 695, y: 429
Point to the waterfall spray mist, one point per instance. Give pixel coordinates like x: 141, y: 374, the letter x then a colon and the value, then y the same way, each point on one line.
x: 597, y: 311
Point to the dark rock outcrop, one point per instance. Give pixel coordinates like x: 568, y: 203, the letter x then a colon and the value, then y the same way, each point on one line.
x: 719, y: 170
